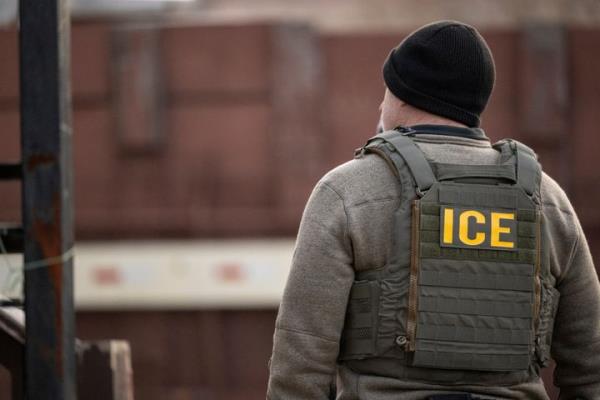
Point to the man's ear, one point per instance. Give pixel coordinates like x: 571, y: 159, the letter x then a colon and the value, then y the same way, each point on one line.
x: 379, y: 127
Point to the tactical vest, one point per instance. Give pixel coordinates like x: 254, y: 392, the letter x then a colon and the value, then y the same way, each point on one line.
x: 467, y: 290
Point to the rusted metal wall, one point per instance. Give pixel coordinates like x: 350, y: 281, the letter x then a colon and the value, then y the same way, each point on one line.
x: 584, y: 132
x: 249, y: 117
x: 245, y: 118
x: 191, y: 355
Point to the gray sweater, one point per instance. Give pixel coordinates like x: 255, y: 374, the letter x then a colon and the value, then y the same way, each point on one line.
x: 345, y: 228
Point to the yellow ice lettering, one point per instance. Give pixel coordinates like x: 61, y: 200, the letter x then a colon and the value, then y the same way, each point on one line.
x: 463, y: 228
x: 448, y: 225
x: 498, y: 229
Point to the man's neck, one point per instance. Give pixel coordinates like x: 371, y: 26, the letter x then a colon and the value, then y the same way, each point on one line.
x: 430, y: 119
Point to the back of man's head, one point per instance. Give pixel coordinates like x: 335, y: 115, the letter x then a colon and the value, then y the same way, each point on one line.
x: 445, y: 68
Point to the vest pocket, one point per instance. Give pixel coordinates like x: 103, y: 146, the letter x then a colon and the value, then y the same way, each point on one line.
x: 359, y: 337
x: 548, y: 309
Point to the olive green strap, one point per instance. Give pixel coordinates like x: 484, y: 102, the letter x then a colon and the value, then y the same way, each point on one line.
x: 529, y: 172
x: 455, y: 171
x: 505, y: 149
x: 359, y: 336
x: 412, y: 156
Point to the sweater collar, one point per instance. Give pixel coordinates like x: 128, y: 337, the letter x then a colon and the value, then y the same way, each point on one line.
x: 444, y: 130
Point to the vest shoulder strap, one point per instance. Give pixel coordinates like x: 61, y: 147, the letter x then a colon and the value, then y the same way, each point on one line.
x: 529, y: 170
x: 402, y: 150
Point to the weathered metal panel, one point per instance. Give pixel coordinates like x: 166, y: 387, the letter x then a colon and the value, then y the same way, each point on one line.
x: 543, y: 82
x: 104, y: 370
x: 47, y: 199
x: 95, y: 167
x: 228, y: 62
x: 298, y: 146
x: 499, y: 120
x: 219, y: 163
x: 10, y: 150
x: 583, y: 130
x: 543, y: 97
x: 354, y: 90
x: 91, y: 62
x: 209, y: 354
x: 9, y: 68
x: 137, y: 84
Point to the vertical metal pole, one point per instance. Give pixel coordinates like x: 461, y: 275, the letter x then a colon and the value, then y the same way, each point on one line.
x: 47, y: 204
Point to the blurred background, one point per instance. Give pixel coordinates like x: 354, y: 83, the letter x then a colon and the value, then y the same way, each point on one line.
x: 200, y: 128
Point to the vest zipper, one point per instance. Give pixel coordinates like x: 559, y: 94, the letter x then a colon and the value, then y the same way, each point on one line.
x: 538, y: 260
x: 411, y: 325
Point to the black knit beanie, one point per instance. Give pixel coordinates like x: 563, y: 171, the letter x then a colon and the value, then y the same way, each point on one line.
x: 445, y: 68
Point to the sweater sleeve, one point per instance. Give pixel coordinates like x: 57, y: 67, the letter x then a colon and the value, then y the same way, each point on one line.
x: 576, y: 339
x: 312, y: 311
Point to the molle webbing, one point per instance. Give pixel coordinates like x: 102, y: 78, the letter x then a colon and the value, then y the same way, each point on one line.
x: 360, y: 332
x: 475, y: 306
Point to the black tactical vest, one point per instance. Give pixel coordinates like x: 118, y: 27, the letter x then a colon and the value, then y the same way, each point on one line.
x: 466, y: 296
